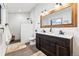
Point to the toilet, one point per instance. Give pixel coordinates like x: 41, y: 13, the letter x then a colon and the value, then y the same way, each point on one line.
x: 32, y: 40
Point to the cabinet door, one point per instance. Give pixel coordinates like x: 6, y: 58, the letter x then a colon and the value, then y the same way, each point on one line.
x: 37, y: 42
x: 52, y: 49
x: 62, y: 51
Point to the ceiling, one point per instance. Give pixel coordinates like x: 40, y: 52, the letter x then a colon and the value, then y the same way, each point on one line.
x: 20, y: 7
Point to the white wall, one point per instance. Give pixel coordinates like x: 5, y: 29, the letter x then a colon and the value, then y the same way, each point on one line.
x: 15, y: 20
x: 3, y: 46
x: 35, y: 14
x: 3, y: 15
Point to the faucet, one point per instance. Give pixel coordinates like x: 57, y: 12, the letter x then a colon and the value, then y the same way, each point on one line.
x: 51, y: 24
x: 51, y: 29
x: 61, y: 32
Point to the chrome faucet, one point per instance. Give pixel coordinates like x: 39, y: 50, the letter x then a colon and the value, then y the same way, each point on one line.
x: 51, y: 24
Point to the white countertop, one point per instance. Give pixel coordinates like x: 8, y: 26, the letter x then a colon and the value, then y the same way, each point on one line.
x: 68, y: 36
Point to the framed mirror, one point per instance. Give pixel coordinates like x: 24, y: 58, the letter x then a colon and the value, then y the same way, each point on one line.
x: 62, y: 16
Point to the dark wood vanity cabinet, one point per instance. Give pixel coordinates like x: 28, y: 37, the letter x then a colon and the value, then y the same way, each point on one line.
x: 54, y: 46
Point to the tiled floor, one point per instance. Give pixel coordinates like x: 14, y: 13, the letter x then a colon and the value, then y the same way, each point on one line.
x: 27, y: 51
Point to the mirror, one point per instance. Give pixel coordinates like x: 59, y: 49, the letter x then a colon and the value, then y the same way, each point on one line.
x: 63, y: 16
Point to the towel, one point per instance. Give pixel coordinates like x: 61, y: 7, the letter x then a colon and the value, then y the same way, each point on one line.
x: 8, y: 34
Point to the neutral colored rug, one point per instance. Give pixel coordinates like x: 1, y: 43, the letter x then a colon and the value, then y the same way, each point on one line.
x: 19, y: 49
x: 15, y: 47
x: 39, y: 53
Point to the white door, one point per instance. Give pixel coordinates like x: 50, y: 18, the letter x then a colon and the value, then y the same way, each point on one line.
x: 26, y: 32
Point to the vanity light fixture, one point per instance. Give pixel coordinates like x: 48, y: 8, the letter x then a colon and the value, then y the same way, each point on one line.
x: 44, y: 12
x: 58, y: 4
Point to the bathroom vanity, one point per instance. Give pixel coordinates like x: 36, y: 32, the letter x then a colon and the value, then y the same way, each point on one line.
x: 55, y: 44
